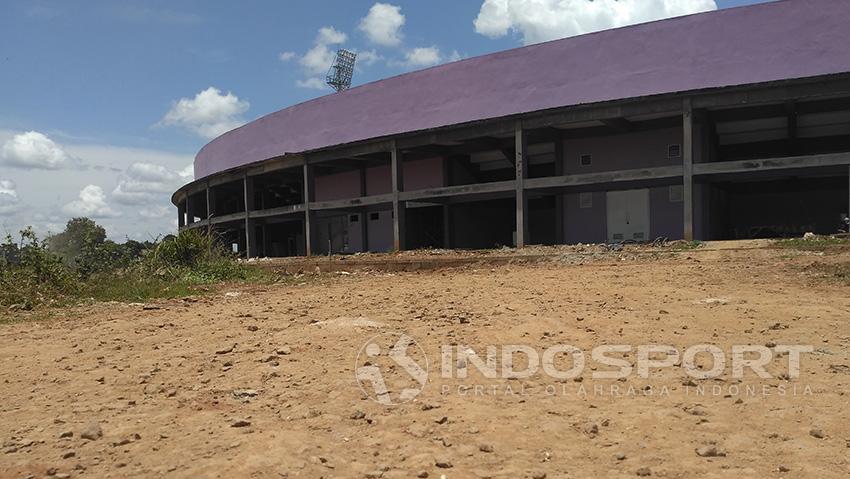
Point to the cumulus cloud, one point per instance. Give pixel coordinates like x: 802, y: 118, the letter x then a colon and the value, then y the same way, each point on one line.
x: 368, y: 57
x: 286, y: 56
x: 318, y: 59
x: 541, y: 20
x: 316, y: 62
x: 33, y: 150
x: 145, y: 183
x: 209, y: 114
x: 9, y: 202
x: 382, y: 25
x: 423, y: 57
x: 91, y: 203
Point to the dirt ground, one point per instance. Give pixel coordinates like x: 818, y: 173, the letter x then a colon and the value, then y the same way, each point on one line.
x: 260, y: 381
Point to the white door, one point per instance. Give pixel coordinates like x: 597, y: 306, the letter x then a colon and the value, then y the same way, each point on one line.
x: 628, y: 215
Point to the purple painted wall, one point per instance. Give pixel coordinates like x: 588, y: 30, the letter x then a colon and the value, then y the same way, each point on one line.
x: 631, y: 150
x: 760, y: 43
x: 338, y: 186
x: 621, y: 152
x: 422, y: 174
x: 379, y: 180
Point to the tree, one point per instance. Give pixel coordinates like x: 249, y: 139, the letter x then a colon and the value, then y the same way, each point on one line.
x: 81, y: 235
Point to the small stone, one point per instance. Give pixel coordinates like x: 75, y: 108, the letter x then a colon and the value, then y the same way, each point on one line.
x: 284, y: 351
x: 66, y: 434
x: 816, y: 432
x: 92, y: 432
x: 240, y: 423
x: 485, y: 447
x: 538, y: 475
x: 591, y: 429
x: 443, y: 463
x: 619, y: 456
x: 69, y: 455
x: 442, y: 420
x: 710, y: 451
x: 643, y: 472
x: 422, y: 474
x: 226, y: 350
x: 357, y: 415
x: 253, y: 328
x: 784, y: 469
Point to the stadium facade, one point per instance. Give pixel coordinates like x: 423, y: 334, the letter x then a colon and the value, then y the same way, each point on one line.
x: 722, y: 125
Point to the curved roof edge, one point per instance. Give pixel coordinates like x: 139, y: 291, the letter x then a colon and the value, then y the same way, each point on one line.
x: 756, y: 44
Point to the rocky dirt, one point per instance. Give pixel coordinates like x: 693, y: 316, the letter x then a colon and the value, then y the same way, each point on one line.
x: 260, y: 381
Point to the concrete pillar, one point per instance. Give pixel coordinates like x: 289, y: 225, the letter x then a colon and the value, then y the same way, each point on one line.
x: 559, y: 196
x: 521, y: 174
x: 447, y: 227
x: 688, y: 169
x: 309, y: 218
x: 250, y: 233
x: 364, y: 220
x: 399, y: 209
x: 190, y: 210
x: 181, y: 213
x: 209, y: 208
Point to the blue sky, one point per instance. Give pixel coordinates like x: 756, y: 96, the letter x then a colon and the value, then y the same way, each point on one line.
x: 91, y: 116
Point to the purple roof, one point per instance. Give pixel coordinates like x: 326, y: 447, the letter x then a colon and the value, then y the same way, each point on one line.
x: 774, y: 41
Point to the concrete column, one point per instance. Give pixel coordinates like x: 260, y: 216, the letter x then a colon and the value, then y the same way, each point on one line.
x: 250, y: 233
x: 364, y: 220
x: 447, y: 227
x: 190, y: 210
x: 309, y: 219
x: 521, y: 174
x: 209, y: 208
x: 559, y: 196
x: 848, y: 201
x: 181, y: 213
x: 399, y: 209
x: 688, y: 169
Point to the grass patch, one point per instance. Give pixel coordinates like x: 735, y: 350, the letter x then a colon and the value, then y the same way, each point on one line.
x: 839, y: 273
x: 685, y: 245
x: 818, y: 243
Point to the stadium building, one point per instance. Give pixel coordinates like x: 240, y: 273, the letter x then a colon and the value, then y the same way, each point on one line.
x: 722, y: 125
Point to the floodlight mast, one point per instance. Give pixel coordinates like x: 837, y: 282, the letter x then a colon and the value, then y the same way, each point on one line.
x: 339, y: 76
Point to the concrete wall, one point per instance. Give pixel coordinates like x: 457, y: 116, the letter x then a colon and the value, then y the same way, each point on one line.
x: 338, y: 186
x: 422, y: 174
x: 622, y: 152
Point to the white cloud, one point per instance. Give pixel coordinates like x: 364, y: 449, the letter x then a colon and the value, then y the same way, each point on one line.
x: 156, y: 212
x: 316, y: 62
x: 382, y: 25
x: 423, y: 57
x: 368, y: 57
x: 33, y: 150
x: 146, y: 183
x: 318, y: 59
x: 91, y: 203
x: 330, y: 36
x: 286, y: 56
x: 9, y: 202
x: 209, y: 114
x: 314, y: 83
x: 541, y: 20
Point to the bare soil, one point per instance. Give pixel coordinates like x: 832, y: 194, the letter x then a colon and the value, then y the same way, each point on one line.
x: 260, y: 381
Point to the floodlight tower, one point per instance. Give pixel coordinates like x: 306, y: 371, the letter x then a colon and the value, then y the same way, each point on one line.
x: 339, y: 76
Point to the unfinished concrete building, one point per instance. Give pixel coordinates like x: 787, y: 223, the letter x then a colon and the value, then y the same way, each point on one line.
x: 723, y: 125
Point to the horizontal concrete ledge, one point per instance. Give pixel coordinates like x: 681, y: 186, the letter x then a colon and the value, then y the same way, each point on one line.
x: 227, y: 218
x: 280, y: 211
x: 743, y: 166
x: 661, y: 172
x: 460, y: 190
x: 352, y: 202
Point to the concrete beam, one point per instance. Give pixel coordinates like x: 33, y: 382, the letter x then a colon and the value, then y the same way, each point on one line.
x: 337, y: 153
x: 352, y: 203
x: 787, y: 163
x: 279, y: 211
x: 521, y: 163
x: 460, y: 190
x: 619, y: 176
x: 688, y: 169
x: 226, y: 218
x: 280, y: 163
